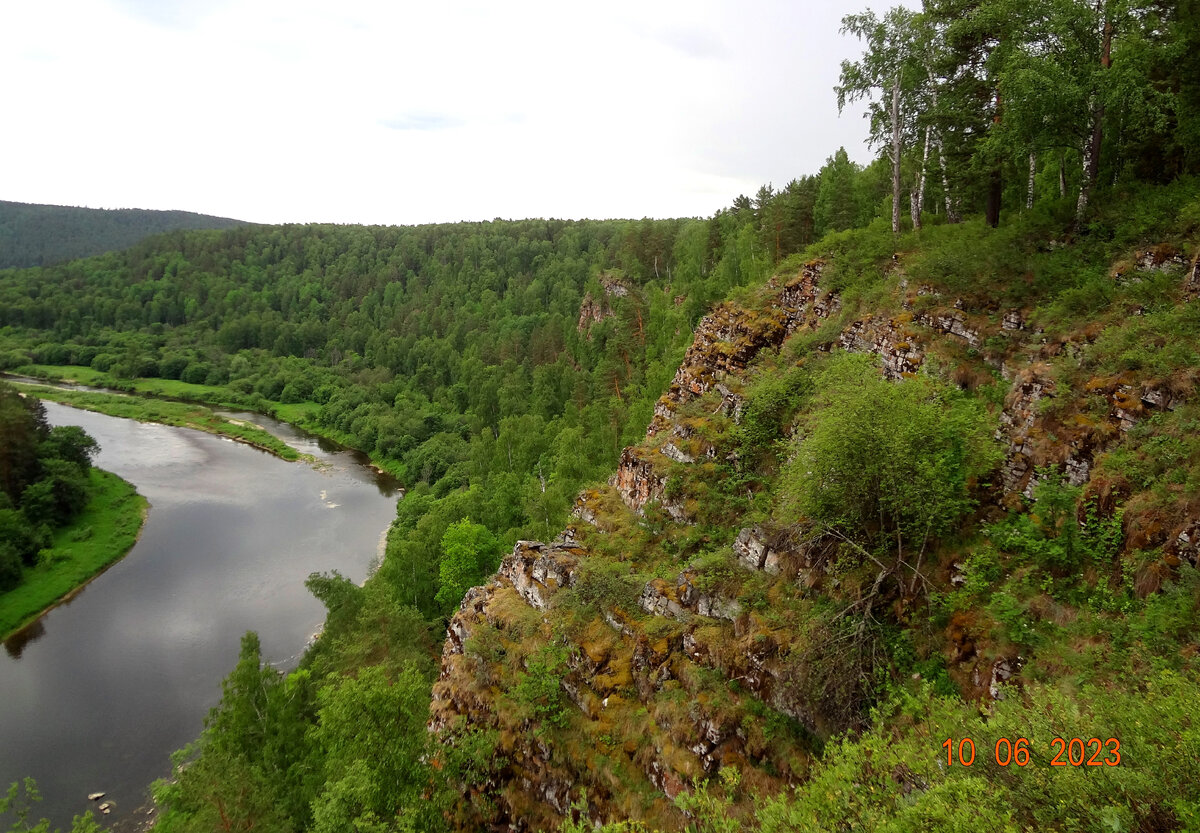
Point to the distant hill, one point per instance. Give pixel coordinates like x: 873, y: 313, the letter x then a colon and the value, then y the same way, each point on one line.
x: 39, y: 235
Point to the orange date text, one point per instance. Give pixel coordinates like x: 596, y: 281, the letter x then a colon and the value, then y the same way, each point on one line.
x: 1017, y: 752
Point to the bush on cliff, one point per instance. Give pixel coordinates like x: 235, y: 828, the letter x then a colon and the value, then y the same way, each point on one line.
x: 884, y: 464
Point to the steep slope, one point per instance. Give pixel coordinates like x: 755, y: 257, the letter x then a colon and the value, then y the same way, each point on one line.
x: 693, y: 620
x: 453, y: 354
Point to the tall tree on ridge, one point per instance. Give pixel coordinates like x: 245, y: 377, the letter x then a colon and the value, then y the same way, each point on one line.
x: 977, y: 36
x: 1081, y: 65
x: 837, y: 204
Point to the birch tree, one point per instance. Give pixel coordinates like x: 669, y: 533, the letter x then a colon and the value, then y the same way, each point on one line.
x: 1083, y: 63
x: 1118, y: 74
x: 886, y: 75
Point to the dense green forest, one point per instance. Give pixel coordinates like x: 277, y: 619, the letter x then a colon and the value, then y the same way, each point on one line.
x: 43, y: 480
x: 495, y: 367
x: 39, y: 235
x: 979, y: 529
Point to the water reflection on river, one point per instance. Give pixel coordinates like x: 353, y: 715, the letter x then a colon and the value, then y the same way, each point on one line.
x: 97, y: 694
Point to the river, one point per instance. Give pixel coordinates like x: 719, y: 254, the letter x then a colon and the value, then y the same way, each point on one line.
x: 98, y: 693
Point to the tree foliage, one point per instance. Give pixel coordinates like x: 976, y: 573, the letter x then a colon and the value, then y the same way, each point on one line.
x: 969, y: 96
x: 371, y: 734
x: 469, y: 553
x: 19, y: 801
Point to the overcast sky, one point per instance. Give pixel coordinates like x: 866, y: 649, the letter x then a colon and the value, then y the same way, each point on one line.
x: 363, y: 111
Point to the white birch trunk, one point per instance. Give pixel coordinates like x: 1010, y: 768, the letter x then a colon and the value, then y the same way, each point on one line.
x: 918, y: 197
x: 1085, y: 183
x: 1029, y: 190
x: 924, y: 168
x: 951, y: 203
x: 896, y: 155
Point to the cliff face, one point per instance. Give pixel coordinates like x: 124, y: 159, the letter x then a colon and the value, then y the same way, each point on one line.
x: 671, y: 671
x: 594, y: 309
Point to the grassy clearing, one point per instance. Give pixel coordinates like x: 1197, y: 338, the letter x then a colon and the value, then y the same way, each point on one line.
x: 300, y: 414
x: 106, y: 529
x: 174, y: 389
x: 182, y: 414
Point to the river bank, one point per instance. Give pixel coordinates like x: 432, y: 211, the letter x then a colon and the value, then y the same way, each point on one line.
x: 103, y: 533
x: 100, y: 691
x: 297, y: 414
x: 164, y: 412
x: 111, y: 523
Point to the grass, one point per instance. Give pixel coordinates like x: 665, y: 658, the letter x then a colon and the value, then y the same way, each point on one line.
x: 72, y: 374
x: 167, y: 388
x: 181, y: 414
x: 174, y: 389
x: 106, y: 529
x: 299, y: 413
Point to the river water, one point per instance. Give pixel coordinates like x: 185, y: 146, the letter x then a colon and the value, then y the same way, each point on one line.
x: 98, y: 693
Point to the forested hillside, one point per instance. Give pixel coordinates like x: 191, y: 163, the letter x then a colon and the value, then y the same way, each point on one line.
x: 747, y: 522
x: 451, y: 354
x: 37, y: 235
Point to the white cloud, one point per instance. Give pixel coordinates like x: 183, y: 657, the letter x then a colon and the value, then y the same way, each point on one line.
x: 400, y: 112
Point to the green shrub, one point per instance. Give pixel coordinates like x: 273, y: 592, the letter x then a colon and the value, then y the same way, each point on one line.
x: 469, y: 553
x: 539, y: 689
x: 603, y: 584
x: 769, y: 407
x: 884, y: 463
x: 896, y: 778
x: 1169, y: 617
x: 1052, y: 537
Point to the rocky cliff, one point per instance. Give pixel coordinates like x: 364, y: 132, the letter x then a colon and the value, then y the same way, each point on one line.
x: 595, y: 308
x: 685, y: 640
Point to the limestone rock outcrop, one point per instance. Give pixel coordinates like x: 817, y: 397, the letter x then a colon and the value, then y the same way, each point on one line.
x: 536, y: 571
x: 638, y: 483
x: 593, y: 310
x: 899, y: 354
x: 640, y: 649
